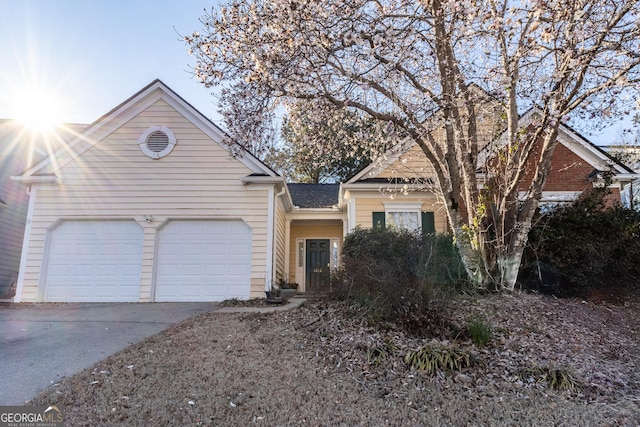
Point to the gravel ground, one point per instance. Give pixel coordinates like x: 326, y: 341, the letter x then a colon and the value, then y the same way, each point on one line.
x: 323, y: 365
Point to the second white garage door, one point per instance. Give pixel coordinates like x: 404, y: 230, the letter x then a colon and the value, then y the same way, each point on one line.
x: 203, y: 261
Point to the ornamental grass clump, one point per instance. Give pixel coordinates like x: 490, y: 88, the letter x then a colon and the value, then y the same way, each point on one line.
x: 479, y: 331
x: 557, y: 379
x: 379, y: 354
x: 431, y: 359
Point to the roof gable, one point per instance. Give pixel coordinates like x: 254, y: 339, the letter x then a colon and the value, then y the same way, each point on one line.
x: 126, y: 111
x: 589, y: 151
x: 575, y: 142
x: 408, y: 157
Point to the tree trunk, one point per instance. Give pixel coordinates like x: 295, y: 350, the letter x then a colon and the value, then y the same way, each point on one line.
x: 509, y: 265
x: 472, y: 259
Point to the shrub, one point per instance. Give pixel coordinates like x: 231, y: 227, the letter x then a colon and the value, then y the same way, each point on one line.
x: 440, y: 261
x: 584, y: 246
x: 399, y: 277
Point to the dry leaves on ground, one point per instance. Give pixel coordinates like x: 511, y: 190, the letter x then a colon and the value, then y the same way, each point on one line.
x: 323, y: 365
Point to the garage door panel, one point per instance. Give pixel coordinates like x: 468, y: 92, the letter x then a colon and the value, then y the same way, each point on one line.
x: 93, y: 261
x: 217, y: 270
x: 195, y: 260
x: 78, y: 292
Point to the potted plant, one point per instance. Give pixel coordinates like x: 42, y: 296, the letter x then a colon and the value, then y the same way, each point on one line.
x: 273, y: 296
x: 286, y: 288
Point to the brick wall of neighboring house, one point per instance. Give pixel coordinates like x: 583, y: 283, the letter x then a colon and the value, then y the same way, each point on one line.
x: 569, y: 172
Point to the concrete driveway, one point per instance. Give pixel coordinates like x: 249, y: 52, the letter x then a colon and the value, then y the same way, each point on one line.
x: 40, y: 344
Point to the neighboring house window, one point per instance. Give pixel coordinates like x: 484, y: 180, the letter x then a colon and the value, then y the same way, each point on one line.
x: 630, y: 195
x: 554, y: 199
x: 546, y: 207
x: 407, y: 216
x: 157, y: 142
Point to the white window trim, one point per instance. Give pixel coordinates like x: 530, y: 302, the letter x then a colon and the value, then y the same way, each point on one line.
x: 554, y: 196
x: 409, y: 207
x: 142, y: 142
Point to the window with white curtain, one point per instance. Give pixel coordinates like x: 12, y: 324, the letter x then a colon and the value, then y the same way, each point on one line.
x: 403, y: 215
x: 407, y: 220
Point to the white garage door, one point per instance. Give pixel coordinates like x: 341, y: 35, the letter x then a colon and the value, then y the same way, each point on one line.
x: 94, y: 261
x: 203, y: 261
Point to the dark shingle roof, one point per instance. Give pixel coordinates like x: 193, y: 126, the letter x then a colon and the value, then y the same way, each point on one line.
x: 314, y: 195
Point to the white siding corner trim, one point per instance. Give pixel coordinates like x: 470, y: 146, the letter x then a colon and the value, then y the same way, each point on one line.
x: 271, y: 218
x: 25, y: 245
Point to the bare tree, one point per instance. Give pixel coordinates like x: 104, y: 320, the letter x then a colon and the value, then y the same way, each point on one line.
x: 418, y: 65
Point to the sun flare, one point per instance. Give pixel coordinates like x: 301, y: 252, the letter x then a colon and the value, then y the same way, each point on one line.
x: 37, y: 109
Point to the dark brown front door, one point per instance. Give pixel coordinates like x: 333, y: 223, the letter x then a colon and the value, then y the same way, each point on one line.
x: 318, y: 264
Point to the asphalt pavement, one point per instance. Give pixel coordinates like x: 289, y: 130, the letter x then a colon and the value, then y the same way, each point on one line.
x: 42, y: 343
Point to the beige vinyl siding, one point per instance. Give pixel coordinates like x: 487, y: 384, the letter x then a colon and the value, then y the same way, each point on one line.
x: 414, y: 163
x: 114, y: 180
x: 409, y: 165
x: 366, y: 204
x: 310, y: 229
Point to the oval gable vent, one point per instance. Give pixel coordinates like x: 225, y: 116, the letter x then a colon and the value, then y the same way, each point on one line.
x: 156, y: 142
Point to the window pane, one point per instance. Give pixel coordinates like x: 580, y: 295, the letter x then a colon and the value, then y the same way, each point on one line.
x: 407, y: 220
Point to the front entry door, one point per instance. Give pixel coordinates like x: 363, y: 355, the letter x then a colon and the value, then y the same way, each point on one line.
x: 318, y: 264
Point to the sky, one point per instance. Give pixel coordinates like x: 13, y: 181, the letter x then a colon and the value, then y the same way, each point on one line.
x: 91, y: 55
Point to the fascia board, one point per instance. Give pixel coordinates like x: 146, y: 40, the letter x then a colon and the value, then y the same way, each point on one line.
x: 585, y: 150
x: 373, y: 186
x: 316, y: 214
x: 574, y: 142
x: 246, y: 180
x: 39, y: 179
